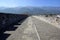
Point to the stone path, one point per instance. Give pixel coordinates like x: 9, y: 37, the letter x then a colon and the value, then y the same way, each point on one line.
x: 26, y: 31
x: 34, y: 29
x: 48, y: 20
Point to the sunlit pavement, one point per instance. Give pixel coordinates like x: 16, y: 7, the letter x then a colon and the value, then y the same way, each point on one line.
x: 34, y: 29
x: 50, y: 20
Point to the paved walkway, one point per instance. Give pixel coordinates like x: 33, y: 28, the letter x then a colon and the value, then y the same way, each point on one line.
x: 49, y: 20
x: 34, y: 29
x: 45, y: 30
x: 26, y: 31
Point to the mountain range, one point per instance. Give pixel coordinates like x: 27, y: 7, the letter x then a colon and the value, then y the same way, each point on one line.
x: 31, y: 10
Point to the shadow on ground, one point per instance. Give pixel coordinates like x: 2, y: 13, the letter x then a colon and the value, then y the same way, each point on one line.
x: 4, y: 36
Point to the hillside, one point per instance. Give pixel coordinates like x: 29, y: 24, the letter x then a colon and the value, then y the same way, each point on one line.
x: 7, y: 19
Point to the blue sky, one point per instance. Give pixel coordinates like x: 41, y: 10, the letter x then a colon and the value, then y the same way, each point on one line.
x: 17, y: 3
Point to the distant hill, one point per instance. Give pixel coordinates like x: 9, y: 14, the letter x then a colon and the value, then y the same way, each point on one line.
x: 31, y: 10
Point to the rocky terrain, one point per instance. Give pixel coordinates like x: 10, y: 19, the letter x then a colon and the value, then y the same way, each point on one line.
x: 52, y: 19
x: 7, y: 19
